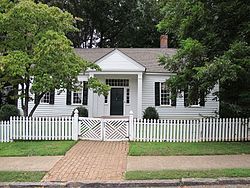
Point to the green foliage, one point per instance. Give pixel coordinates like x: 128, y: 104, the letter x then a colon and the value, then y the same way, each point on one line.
x: 150, y: 113
x: 7, y: 111
x: 113, y: 23
x: 213, y: 40
x: 98, y: 87
x: 82, y: 111
x: 35, y: 50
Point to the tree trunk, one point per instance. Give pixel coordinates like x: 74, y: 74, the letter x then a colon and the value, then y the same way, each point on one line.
x: 91, y: 37
x: 26, y: 98
x: 101, y: 40
x: 39, y: 97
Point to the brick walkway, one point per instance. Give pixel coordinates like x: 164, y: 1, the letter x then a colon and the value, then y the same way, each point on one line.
x: 90, y: 160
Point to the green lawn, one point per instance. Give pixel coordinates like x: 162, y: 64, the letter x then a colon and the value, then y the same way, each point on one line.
x: 35, y: 148
x: 177, y: 174
x: 16, y: 176
x: 200, y: 148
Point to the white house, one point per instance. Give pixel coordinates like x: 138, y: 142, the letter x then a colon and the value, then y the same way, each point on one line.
x: 137, y: 82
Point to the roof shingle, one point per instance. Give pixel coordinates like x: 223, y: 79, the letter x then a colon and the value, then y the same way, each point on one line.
x: 148, y: 57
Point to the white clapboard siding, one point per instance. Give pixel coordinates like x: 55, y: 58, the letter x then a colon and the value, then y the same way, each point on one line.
x: 191, y: 130
x: 42, y: 128
x: 5, y: 131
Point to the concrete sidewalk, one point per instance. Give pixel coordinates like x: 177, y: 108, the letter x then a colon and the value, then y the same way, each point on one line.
x: 35, y: 163
x: 187, y: 162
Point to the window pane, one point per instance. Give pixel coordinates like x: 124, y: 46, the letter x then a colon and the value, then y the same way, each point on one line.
x: 165, y: 94
x: 46, y: 98
x: 117, y: 82
x: 77, y: 97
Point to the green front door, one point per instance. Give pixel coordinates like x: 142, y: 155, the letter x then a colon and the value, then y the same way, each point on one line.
x: 116, y: 101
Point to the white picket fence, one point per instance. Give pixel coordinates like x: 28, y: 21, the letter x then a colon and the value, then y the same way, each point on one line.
x: 163, y: 130
x: 38, y: 128
x: 199, y: 130
x: 5, y: 131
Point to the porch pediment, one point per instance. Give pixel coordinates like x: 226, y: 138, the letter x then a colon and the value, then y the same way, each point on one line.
x: 119, y: 62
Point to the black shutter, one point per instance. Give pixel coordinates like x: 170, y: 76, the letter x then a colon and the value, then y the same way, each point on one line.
x: 173, y: 97
x: 202, y: 99
x: 85, y: 93
x: 157, y: 93
x: 36, y: 99
x: 52, y: 97
x: 186, y: 103
x: 68, y: 97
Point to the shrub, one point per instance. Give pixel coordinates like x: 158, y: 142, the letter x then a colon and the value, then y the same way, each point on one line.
x: 7, y: 111
x: 83, y: 112
x: 150, y: 113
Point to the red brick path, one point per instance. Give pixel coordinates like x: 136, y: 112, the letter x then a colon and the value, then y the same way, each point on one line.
x: 91, y: 160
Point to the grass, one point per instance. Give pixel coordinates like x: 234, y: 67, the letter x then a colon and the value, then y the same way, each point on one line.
x: 15, y: 176
x: 177, y: 174
x: 35, y: 148
x: 200, y: 148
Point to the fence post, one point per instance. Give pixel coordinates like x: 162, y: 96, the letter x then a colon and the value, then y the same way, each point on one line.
x: 248, y: 130
x: 131, y: 125
x: 75, y: 125
x: 11, y: 129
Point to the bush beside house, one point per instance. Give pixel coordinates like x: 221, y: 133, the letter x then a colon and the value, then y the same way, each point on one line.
x: 150, y: 113
x: 7, y: 111
x: 82, y: 111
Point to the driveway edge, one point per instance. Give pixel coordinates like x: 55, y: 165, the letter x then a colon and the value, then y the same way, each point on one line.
x: 136, y: 183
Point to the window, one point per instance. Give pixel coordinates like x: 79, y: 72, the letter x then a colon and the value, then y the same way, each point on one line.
x: 105, y: 99
x: 79, y: 96
x: 127, y: 96
x: 46, y: 98
x: 117, y: 82
x: 193, y: 97
x: 165, y: 94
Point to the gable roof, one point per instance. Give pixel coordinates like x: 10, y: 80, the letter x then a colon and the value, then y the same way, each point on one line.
x: 109, y: 62
x: 147, y: 57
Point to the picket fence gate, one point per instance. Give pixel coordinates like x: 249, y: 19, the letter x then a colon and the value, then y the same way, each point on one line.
x: 103, y: 129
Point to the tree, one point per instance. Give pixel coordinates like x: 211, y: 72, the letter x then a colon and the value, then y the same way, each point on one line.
x: 113, y: 23
x: 213, y: 40
x: 36, y: 53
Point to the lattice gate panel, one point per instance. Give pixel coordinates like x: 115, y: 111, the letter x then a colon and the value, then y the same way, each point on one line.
x: 90, y: 128
x: 116, y: 129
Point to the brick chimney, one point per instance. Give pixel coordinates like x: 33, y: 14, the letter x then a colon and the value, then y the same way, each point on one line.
x: 164, y: 41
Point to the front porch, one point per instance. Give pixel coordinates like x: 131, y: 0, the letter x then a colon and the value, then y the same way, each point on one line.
x: 125, y: 95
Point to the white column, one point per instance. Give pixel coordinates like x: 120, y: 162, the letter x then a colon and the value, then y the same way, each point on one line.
x: 90, y: 98
x: 139, y: 96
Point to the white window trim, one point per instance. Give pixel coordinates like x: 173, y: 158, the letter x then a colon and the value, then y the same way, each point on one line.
x: 170, y: 100
x: 72, y: 98
x: 42, y: 102
x: 127, y: 95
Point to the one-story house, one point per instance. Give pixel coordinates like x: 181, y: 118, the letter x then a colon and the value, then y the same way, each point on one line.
x: 137, y: 81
